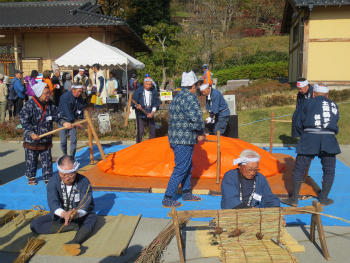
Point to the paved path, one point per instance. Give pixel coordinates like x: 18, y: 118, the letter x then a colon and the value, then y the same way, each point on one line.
x: 12, y: 166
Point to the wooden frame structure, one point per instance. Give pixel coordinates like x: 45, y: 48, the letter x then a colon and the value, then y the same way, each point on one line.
x: 91, y: 133
x: 315, y: 221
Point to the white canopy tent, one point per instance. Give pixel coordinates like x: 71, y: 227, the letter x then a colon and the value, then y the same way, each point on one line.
x: 91, y: 51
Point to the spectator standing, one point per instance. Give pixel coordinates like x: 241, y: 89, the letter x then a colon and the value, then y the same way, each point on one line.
x: 9, y: 102
x: 47, y: 80
x: 57, y: 83
x: 3, y: 99
x: 84, y: 80
x: 206, y: 75
x: 112, y: 86
x: 98, y: 82
x: 30, y: 80
x: 68, y: 82
x: 133, y: 83
x: 20, y: 90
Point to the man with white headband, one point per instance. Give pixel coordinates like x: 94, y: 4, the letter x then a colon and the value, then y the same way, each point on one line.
x: 37, y: 117
x: 217, y: 106
x: 185, y: 130
x: 65, y: 191
x: 84, y: 80
x: 146, y: 98
x: 316, y: 123
x: 72, y: 108
x: 245, y: 187
x: 305, y: 91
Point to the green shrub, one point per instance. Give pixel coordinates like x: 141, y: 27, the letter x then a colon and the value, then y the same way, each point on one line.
x: 339, y: 95
x: 256, y: 71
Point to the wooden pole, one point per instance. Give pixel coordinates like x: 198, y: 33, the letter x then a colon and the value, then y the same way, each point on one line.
x: 145, y: 112
x: 218, y: 162
x: 95, y: 135
x: 60, y: 129
x: 91, y: 145
x: 316, y: 221
x: 271, y: 131
x: 128, y: 110
x: 178, y: 234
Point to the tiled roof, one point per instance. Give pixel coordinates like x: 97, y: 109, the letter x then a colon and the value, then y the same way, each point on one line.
x: 301, y: 3
x: 55, y: 13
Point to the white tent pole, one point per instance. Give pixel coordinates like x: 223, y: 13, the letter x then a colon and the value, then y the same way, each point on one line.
x: 126, y: 75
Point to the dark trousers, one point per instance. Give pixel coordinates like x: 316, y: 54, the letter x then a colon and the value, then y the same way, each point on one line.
x: 141, y: 123
x: 219, y: 125
x: 73, y: 139
x: 42, y: 225
x: 58, y: 93
x: 182, y: 170
x: 303, y: 161
x: 32, y: 163
x: 18, y: 105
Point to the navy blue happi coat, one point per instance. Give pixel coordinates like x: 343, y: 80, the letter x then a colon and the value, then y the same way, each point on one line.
x: 316, y: 122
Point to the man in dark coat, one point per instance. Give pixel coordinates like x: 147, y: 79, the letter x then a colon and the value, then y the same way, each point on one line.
x: 67, y: 192
x: 316, y: 123
x: 305, y: 91
x: 57, y: 82
x: 245, y: 187
x: 146, y: 98
x: 71, y: 107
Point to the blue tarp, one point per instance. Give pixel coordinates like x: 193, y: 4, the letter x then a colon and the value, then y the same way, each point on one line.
x: 19, y: 195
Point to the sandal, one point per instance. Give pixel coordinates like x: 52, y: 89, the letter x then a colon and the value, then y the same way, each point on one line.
x: 32, y: 181
x: 168, y: 203
x: 190, y: 197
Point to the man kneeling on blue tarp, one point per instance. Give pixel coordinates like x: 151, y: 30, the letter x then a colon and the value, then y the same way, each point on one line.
x: 64, y: 194
x: 245, y: 187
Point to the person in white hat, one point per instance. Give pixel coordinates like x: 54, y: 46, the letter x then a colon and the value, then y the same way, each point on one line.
x: 185, y: 129
x: 217, y: 106
x: 37, y: 117
x: 72, y: 108
x: 316, y: 122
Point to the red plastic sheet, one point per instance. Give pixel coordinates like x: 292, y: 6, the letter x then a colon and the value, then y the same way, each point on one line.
x: 155, y: 158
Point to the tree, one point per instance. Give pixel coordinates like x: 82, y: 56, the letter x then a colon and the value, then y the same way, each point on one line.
x: 118, y: 8
x: 159, y: 38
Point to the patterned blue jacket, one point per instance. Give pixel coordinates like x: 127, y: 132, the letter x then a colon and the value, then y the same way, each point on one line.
x: 185, y: 119
x: 39, y: 120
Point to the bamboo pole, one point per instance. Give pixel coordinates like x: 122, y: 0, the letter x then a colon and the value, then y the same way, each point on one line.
x: 95, y: 135
x: 60, y: 129
x: 178, y: 234
x: 91, y: 145
x: 218, y: 162
x: 271, y: 131
x: 128, y: 110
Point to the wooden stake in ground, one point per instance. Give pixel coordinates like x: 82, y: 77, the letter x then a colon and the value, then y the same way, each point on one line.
x: 91, y: 145
x: 128, y: 110
x: 88, y: 118
x: 218, y: 162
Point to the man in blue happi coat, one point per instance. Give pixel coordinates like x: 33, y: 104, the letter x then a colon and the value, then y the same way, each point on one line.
x: 305, y: 91
x: 68, y: 191
x: 72, y: 108
x: 37, y: 117
x: 185, y: 125
x: 245, y: 187
x: 217, y: 106
x: 316, y: 123
x: 146, y: 98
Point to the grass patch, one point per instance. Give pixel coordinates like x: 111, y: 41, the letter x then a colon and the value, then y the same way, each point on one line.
x: 260, y: 132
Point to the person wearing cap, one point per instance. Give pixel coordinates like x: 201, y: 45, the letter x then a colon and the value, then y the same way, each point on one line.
x: 3, y: 98
x: 185, y: 130
x: 98, y: 83
x: 245, y: 187
x: 20, y: 90
x: 146, y: 98
x: 65, y: 192
x: 316, y: 122
x: 30, y: 80
x: 217, y: 106
x: 72, y: 108
x: 305, y: 91
x: 37, y: 117
x: 84, y: 80
x: 206, y: 75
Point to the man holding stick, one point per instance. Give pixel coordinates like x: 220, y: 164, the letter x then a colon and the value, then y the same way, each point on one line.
x: 71, y: 107
x: 185, y: 124
x: 37, y: 117
x: 146, y: 99
x: 69, y: 196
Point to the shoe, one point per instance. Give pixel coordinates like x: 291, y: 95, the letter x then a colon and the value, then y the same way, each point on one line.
x: 32, y: 181
x: 73, y: 247
x: 168, y: 202
x: 72, y: 153
x: 187, y: 196
x: 293, y: 200
x: 324, y: 200
x: 64, y: 152
x: 56, y: 226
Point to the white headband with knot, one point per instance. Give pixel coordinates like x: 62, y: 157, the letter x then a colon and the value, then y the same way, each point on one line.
x: 81, y: 69
x: 321, y: 89
x: 245, y: 160
x: 204, y: 86
x: 302, y: 84
x: 77, y: 87
x: 75, y: 167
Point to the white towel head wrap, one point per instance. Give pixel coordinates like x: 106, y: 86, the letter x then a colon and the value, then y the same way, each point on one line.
x: 321, y: 89
x: 301, y: 84
x: 188, y: 79
x: 247, y: 156
x: 203, y: 87
x: 75, y: 167
x: 39, y: 88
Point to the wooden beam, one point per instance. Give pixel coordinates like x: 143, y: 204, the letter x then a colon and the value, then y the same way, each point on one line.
x: 48, y: 44
x: 306, y: 44
x: 329, y: 40
x: 218, y: 161
x: 15, y: 50
x: 344, y: 83
x: 178, y: 234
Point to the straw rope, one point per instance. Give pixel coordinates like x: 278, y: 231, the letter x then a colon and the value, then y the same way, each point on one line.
x: 33, y: 245
x: 317, y: 213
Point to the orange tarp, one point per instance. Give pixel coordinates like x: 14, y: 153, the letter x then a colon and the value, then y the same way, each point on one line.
x: 155, y: 158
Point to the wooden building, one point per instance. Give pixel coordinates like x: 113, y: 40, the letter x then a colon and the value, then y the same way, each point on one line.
x: 34, y: 34
x: 319, y: 42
